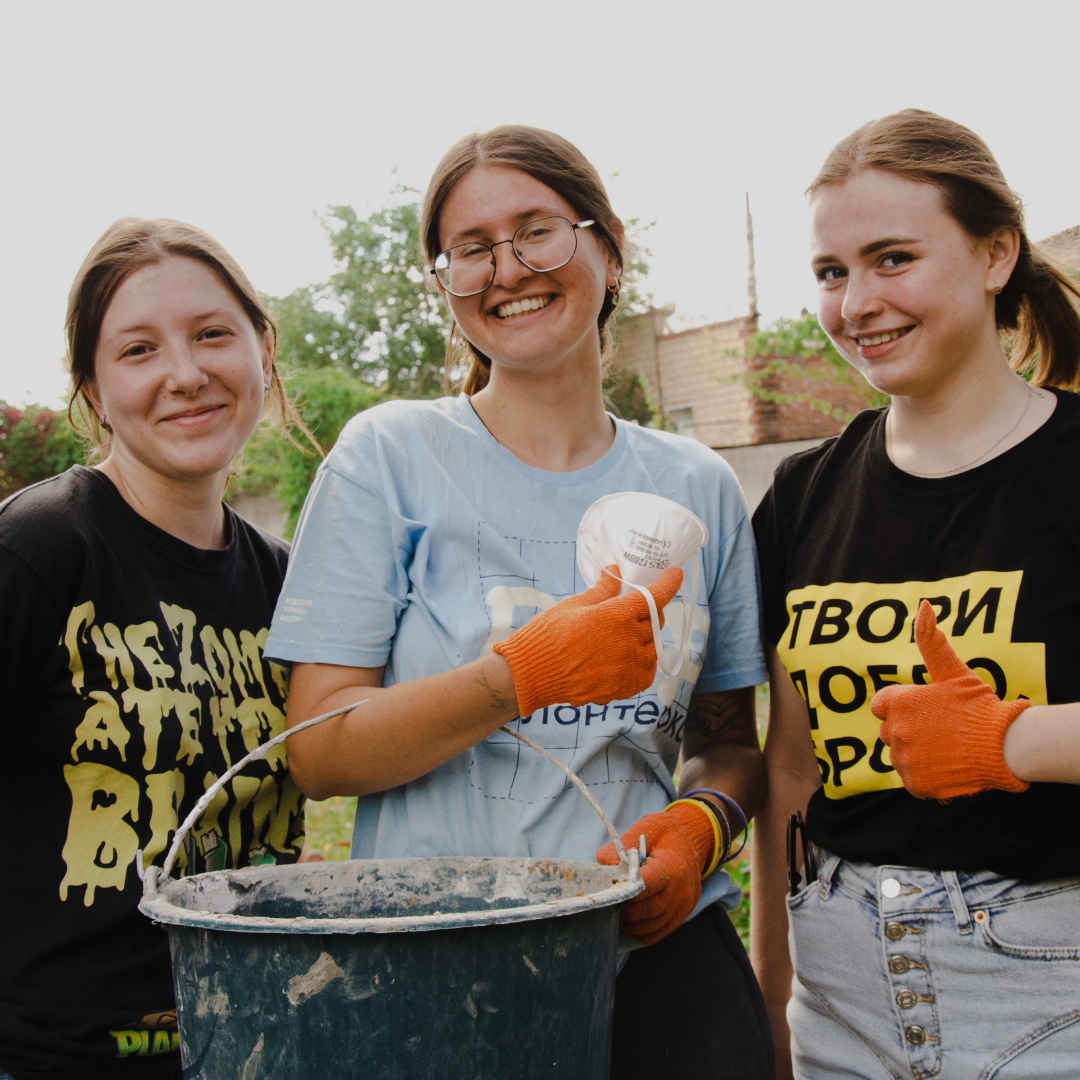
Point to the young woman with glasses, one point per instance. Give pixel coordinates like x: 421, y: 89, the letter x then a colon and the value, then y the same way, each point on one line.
x: 434, y: 574
x: 135, y: 606
x: 920, y: 590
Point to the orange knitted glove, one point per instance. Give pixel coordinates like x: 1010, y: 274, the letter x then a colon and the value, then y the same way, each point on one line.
x: 679, y: 844
x: 593, y: 648
x: 948, y: 738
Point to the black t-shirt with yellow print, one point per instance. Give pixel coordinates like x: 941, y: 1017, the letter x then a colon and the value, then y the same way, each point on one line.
x: 133, y: 677
x: 849, y: 545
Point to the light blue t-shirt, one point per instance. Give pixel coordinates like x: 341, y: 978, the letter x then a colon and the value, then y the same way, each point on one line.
x: 423, y: 541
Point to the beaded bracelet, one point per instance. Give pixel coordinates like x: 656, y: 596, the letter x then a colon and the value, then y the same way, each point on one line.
x: 734, y: 805
x: 714, y: 862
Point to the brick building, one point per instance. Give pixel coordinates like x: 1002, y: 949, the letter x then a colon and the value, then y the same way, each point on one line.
x: 699, y: 378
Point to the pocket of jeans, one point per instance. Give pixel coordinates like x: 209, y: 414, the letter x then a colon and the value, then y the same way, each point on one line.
x: 1044, y: 925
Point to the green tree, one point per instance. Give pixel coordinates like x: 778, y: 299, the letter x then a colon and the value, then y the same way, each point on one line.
x: 377, y: 317
x: 327, y: 398
x: 35, y: 443
x: 786, y: 346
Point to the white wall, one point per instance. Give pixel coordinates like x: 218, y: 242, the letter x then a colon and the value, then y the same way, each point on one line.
x: 262, y: 510
x: 754, y: 465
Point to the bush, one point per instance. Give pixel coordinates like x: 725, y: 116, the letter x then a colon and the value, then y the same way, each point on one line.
x: 35, y: 443
x: 271, y: 464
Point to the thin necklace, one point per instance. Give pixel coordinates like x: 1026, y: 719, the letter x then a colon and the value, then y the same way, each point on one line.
x: 961, y: 468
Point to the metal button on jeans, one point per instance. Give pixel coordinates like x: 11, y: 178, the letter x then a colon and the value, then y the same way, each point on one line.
x: 899, y: 965
x: 890, y: 888
x: 907, y: 999
x: 894, y: 931
x: 915, y: 1035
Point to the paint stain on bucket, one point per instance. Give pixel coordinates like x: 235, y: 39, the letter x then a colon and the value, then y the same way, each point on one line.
x: 317, y: 978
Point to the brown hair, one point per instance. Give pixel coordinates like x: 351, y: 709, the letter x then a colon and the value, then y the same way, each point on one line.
x: 553, y: 161
x: 1040, y: 303
x: 126, y: 246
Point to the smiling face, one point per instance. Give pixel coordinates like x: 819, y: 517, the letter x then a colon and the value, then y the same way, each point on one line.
x: 525, y: 321
x: 179, y: 371
x: 904, y: 293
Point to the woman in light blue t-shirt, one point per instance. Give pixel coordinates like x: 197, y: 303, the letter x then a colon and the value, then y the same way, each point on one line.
x: 436, y: 530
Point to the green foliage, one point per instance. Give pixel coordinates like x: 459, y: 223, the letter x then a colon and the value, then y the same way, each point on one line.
x: 627, y: 396
x: 786, y: 345
x: 35, y: 443
x: 327, y: 398
x: 376, y: 318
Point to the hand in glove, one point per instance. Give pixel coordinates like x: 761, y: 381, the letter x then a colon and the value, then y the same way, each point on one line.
x: 946, y: 739
x: 595, y: 647
x: 680, y: 844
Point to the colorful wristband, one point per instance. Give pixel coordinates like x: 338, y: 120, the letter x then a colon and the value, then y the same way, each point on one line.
x: 714, y: 862
x: 745, y: 830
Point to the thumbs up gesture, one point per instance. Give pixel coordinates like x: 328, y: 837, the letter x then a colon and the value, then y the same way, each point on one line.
x: 946, y: 739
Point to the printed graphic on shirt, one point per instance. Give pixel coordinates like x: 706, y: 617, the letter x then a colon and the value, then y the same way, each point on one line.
x: 140, y: 745
x: 155, y: 1033
x: 846, y: 641
x: 512, y: 606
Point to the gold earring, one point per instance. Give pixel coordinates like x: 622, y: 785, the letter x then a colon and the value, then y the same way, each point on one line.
x: 997, y: 289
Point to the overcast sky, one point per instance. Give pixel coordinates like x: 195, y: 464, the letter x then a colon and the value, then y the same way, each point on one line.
x: 247, y: 119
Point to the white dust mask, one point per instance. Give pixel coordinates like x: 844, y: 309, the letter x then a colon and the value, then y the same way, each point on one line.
x: 643, y: 535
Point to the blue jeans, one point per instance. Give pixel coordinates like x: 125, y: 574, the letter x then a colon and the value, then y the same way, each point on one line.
x: 906, y: 973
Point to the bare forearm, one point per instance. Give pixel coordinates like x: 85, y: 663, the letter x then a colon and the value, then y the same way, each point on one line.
x: 400, y: 733
x: 792, y: 776
x: 1043, y: 744
x: 737, y: 771
x: 720, y: 751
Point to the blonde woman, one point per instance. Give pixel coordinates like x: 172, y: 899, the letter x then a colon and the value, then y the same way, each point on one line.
x: 928, y: 938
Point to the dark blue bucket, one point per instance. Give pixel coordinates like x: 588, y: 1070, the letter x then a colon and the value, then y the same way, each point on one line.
x: 454, y: 968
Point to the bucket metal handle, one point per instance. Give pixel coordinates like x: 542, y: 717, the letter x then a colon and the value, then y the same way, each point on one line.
x: 152, y: 880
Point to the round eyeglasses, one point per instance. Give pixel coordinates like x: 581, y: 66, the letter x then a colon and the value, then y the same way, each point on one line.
x: 542, y: 245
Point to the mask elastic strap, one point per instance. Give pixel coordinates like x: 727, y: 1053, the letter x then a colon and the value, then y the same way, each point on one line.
x: 688, y: 615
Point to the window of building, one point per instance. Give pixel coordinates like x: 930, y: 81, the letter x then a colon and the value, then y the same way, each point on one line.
x: 683, y: 418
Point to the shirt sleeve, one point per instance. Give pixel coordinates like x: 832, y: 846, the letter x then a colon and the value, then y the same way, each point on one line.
x: 30, y: 629
x: 347, y: 582
x: 773, y: 567
x: 733, y: 653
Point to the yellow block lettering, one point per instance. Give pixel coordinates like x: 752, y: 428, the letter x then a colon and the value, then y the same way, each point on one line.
x: 80, y: 616
x: 192, y: 674
x: 166, y: 791
x: 847, y: 640
x: 127, y: 1042
x: 162, y: 1042
x: 138, y: 640
x: 111, y: 648
x: 101, y: 724
x: 245, y: 788
x: 152, y: 706
x: 188, y: 709
x: 100, y: 844
x: 282, y: 816
x: 217, y: 659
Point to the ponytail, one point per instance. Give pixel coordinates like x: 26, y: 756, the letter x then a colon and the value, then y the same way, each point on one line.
x: 1040, y: 304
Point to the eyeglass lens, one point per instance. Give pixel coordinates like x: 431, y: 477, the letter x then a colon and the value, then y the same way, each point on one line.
x: 542, y: 245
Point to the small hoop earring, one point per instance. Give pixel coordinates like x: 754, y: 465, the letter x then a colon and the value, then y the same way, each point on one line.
x: 266, y: 390
x: 997, y: 290
x: 614, y: 291
x: 105, y: 422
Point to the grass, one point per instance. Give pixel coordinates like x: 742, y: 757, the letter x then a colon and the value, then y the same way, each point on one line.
x: 329, y: 826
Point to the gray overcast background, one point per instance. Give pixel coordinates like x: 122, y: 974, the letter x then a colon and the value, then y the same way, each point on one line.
x: 247, y: 118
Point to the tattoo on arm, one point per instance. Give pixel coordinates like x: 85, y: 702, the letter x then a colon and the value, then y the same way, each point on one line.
x: 497, y: 699
x: 714, y: 718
